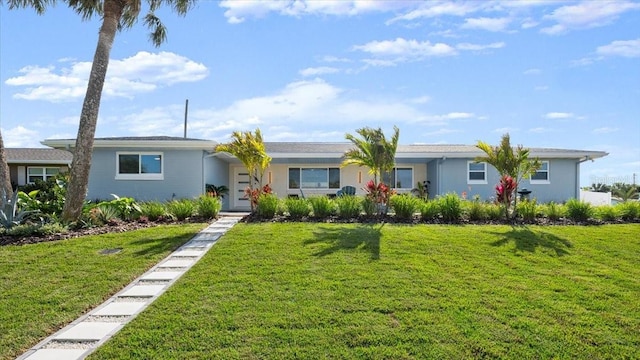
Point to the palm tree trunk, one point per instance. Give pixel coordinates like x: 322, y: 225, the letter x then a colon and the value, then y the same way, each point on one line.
x: 81, y: 164
x: 5, y: 176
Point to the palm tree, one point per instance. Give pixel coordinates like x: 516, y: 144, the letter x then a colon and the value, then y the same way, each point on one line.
x: 116, y: 15
x: 373, y: 150
x: 250, y: 150
x: 514, y: 163
x: 5, y: 176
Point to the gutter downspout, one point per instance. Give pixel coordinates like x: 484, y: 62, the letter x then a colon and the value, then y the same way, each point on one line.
x: 577, y: 189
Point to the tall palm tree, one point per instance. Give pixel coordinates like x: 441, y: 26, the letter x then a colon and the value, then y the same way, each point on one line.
x: 509, y: 161
x: 250, y: 150
x: 5, y: 176
x: 116, y: 15
x: 373, y: 150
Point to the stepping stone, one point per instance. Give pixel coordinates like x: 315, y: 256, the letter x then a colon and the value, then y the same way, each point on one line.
x: 176, y: 263
x: 162, y: 275
x: 120, y: 309
x: 143, y: 290
x: 88, y: 331
x: 56, y: 354
x: 187, y: 253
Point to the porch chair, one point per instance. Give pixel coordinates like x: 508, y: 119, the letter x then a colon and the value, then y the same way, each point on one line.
x: 346, y: 190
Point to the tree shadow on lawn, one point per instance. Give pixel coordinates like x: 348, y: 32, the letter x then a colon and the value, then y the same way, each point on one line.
x: 339, y: 238
x: 160, y: 245
x: 528, y: 240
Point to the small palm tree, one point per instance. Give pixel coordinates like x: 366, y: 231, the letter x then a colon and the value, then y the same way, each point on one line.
x: 373, y: 150
x: 250, y: 150
x: 511, y: 162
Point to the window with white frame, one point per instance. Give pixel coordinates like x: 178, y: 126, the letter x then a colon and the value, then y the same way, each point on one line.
x: 314, y: 178
x: 41, y: 173
x: 399, y: 178
x: 541, y: 176
x: 476, y: 172
x: 139, y: 166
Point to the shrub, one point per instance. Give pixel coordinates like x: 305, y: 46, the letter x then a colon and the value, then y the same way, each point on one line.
x: 22, y: 230
x: 153, y: 210
x: 297, y: 207
x: 476, y: 209
x: 267, y: 205
x: 10, y: 213
x: 49, y: 195
x: 348, y: 206
x: 181, y: 209
x: 578, y: 210
x: 429, y: 210
x: 322, y: 206
x: 369, y: 206
x: 606, y: 213
x: 104, y: 213
x: 127, y: 207
x: 450, y: 207
x: 208, y: 206
x: 404, y: 206
x: 554, y: 211
x: 628, y: 210
x: 494, y: 211
x: 527, y: 209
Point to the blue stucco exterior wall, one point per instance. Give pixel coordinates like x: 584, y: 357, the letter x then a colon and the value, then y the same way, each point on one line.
x: 183, y: 176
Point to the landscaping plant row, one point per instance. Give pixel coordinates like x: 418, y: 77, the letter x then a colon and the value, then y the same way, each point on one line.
x: 449, y: 208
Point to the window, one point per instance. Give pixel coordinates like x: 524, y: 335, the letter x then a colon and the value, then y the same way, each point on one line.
x: 41, y: 173
x: 476, y: 173
x: 139, y: 166
x: 314, y: 178
x: 399, y: 178
x: 542, y: 175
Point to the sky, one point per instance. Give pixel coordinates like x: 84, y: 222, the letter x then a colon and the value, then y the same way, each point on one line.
x: 556, y: 74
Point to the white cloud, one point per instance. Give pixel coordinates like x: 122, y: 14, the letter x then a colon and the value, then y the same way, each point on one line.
x: 332, y: 59
x: 318, y: 71
x: 604, y: 130
x: 442, y: 132
x: 143, y: 72
x: 420, y: 100
x: 541, y: 88
x: 20, y: 136
x: 626, y: 48
x: 587, y: 14
x: 541, y: 130
x: 559, y: 115
x: 488, y: 24
x: 505, y: 130
x: 479, y: 47
x: 406, y: 48
x: 532, y: 71
x: 432, y: 9
x: 239, y: 11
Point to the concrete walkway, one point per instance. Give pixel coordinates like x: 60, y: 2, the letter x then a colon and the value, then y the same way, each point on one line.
x: 87, y: 333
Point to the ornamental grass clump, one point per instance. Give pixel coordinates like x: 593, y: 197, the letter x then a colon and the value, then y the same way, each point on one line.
x: 153, y: 210
x: 369, y: 206
x: 606, y: 213
x: 554, y: 211
x: 578, y: 210
x: 321, y: 206
x: 450, y: 207
x: 348, y: 206
x: 493, y: 212
x: 208, y: 206
x: 527, y: 210
x: 297, y: 208
x: 475, y: 209
x: 404, y: 206
x: 181, y: 209
x: 628, y: 210
x: 267, y: 205
x: 429, y: 210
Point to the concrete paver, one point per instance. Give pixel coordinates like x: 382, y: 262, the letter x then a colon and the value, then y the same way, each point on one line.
x: 143, y: 290
x: 85, y: 331
x: 56, y: 354
x: 120, y: 308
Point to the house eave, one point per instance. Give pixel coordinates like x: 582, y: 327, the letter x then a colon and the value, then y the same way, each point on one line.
x: 67, y: 144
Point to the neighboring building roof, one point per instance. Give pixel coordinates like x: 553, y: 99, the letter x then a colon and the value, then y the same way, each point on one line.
x: 309, y: 149
x: 168, y: 142
x: 37, y: 156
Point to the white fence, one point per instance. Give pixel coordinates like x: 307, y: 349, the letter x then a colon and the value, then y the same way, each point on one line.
x: 595, y: 198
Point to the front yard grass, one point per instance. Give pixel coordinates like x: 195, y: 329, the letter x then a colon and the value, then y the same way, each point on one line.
x: 45, y: 286
x: 353, y: 291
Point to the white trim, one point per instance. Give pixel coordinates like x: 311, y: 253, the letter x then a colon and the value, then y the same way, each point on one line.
x: 542, y: 182
x: 395, y: 170
x: 139, y: 176
x: 476, y: 182
x: 45, y: 176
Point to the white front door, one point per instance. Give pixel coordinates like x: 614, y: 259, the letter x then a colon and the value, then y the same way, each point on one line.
x: 240, y: 183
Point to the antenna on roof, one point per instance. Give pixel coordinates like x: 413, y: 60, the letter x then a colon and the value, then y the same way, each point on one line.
x: 186, y: 111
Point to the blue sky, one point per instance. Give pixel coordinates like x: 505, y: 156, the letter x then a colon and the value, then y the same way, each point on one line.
x: 558, y: 74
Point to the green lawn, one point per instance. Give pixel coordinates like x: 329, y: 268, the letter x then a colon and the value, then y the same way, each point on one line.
x: 45, y: 286
x: 354, y: 291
